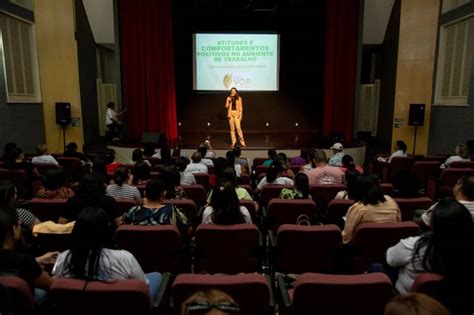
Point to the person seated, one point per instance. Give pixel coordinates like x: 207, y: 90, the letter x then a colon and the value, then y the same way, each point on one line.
x: 241, y: 161
x: 210, y: 154
x: 171, y: 177
x: 225, y: 208
x: 239, y: 170
x: 324, y: 174
x: 446, y: 250
x: 149, y: 151
x: 350, y: 178
x: 13, y: 262
x: 300, y: 160
x: 42, y: 156
x: 154, y: 211
x: 166, y: 159
x: 229, y: 174
x: 400, y: 151
x: 54, y: 185
x: 137, y: 156
x: 196, y: 166
x: 462, y: 155
x: 186, y: 178
x: 219, y: 165
x: 120, y: 189
x: 283, y: 159
x: 71, y: 151
x: 274, y: 177
x: 211, y: 301
x: 338, y: 154
x: 415, y: 304
x: 463, y: 192
x: 371, y: 206
x: 16, y: 161
x: 91, y: 257
x: 310, y: 164
x: 141, y: 174
x: 111, y: 163
x: 405, y: 185
x: 90, y: 193
x: 348, y: 163
x: 8, y: 198
x: 99, y: 169
x: 8, y: 149
x: 206, y: 161
x: 272, y: 155
x: 301, y: 190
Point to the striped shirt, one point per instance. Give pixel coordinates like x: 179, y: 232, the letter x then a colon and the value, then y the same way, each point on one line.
x: 26, y: 218
x: 123, y: 192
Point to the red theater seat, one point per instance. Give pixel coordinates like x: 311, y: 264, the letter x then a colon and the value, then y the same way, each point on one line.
x: 284, y: 211
x: 409, y: 205
x: 19, y: 297
x: 47, y: 209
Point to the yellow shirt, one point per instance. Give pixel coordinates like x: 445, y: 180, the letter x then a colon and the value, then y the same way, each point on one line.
x: 383, y: 212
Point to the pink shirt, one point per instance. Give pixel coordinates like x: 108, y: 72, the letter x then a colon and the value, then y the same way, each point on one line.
x: 325, y: 175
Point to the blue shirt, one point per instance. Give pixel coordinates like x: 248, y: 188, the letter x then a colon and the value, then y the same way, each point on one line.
x: 336, y: 159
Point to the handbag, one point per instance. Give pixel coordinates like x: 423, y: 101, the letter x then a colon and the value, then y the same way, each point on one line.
x: 303, y: 219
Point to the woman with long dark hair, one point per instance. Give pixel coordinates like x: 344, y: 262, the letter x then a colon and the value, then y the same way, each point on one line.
x: 90, y: 256
x: 225, y: 207
x: 141, y: 173
x: 8, y: 198
x: 400, y: 151
x: 301, y: 190
x: 274, y: 176
x: 120, y: 189
x: 234, y: 107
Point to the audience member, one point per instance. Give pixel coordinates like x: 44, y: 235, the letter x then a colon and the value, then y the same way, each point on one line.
x: 210, y: 154
x: 231, y: 160
x: 42, y: 156
x: 22, y: 265
x: 213, y: 302
x: 300, y: 160
x: 371, y: 205
x: 206, y: 161
x: 323, y: 173
x: 149, y: 151
x: 166, y: 158
x: 141, y: 173
x: 310, y: 164
x: 241, y: 161
x: 186, y: 177
x: 219, y: 165
x: 272, y: 154
x: 228, y: 174
x: 99, y: 169
x: 274, y: 176
x: 111, y: 164
x: 338, y: 154
x: 54, y: 185
x: 283, y: 159
x: 415, y: 304
x: 8, y: 149
x: 400, y: 151
x: 301, y: 190
x: 16, y: 161
x: 348, y: 163
x: 171, y: 177
x: 350, y: 178
x: 120, y: 189
x: 71, y: 151
x: 225, y: 208
x: 137, y: 156
x: 196, y: 166
x: 462, y: 155
x: 8, y: 198
x: 90, y: 255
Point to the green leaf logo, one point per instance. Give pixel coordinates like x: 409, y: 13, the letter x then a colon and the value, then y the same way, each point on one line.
x: 227, y: 80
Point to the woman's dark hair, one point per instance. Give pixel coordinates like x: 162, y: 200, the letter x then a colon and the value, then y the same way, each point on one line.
x: 230, y: 155
x: 302, y: 184
x: 368, y: 191
x: 467, y: 186
x: 110, y: 105
x: 311, y: 156
x: 7, y: 193
x: 237, y: 151
x: 272, y: 154
x: 99, y: 168
x: 401, y: 145
x: 54, y: 178
x: 181, y: 163
x: 149, y: 150
x: 304, y: 154
x: 203, y: 150
x: 348, y: 162
x: 71, y: 147
x: 177, y: 151
x: 14, y: 154
x: 91, y: 190
x: 137, y: 155
x: 449, y: 245
x: 225, y: 205
x: 283, y: 159
x: 141, y: 171
x: 171, y: 178
x: 109, y: 156
x: 350, y: 177
x: 121, y: 175
x: 228, y: 174
x: 219, y: 165
x: 8, y: 219
x: 91, y: 233
x: 7, y: 149
x: 236, y: 92
x: 166, y: 156
x: 154, y: 189
x: 274, y: 171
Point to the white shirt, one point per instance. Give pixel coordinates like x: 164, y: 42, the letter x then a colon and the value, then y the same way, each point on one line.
x: 426, y: 217
x: 343, y: 194
x: 196, y: 168
x: 44, y: 159
x: 187, y: 178
x: 207, y: 162
x: 123, y: 192
x: 207, y: 215
x: 110, y: 116
x: 398, y: 153
x: 401, y: 255
x: 454, y: 158
x: 279, y: 181
x: 113, y: 265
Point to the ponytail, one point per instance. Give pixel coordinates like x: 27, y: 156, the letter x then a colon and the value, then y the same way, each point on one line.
x: 273, y: 172
x: 121, y: 175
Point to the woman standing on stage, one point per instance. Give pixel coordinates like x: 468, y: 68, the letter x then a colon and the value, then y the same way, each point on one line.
x: 234, y: 113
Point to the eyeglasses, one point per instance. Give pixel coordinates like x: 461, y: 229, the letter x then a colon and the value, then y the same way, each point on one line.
x: 204, y: 307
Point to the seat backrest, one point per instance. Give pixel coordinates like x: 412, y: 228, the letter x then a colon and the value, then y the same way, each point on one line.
x: 372, y: 240
x: 258, y: 161
x: 432, y: 284
x: 250, y: 205
x: 337, y: 209
x: 72, y: 166
x: 187, y: 206
x: 78, y: 297
x: 44, y: 167
x: 399, y: 164
x: 437, y: 158
x: 153, y: 161
x: 325, y: 193
x: 387, y: 188
x: 296, y: 168
x: 47, y: 209
x: 19, y: 179
x: 409, y: 205
x: 316, y: 293
x: 125, y: 204
x: 302, y: 248
x: 424, y: 169
x: 202, y: 179
x: 450, y: 176
x: 260, y: 169
x: 284, y: 211
x: 227, y: 248
x: 156, y: 248
x: 243, y: 179
x: 251, y: 292
x: 271, y: 191
x: 52, y: 242
x: 197, y: 193
x: 459, y: 164
x: 18, y: 295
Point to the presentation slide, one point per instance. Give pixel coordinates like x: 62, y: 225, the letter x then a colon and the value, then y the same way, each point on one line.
x: 248, y: 62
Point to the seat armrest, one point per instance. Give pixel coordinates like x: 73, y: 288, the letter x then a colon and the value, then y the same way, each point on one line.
x: 432, y: 187
x: 163, y: 290
x: 271, y: 238
x: 284, y: 298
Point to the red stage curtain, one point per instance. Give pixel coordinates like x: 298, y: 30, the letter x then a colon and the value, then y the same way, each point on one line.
x: 341, y: 32
x: 147, y: 67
